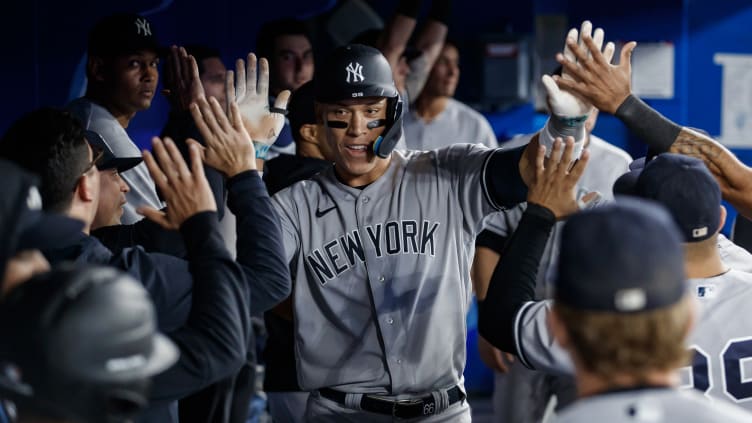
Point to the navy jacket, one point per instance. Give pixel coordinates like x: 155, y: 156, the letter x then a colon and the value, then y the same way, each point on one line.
x: 171, y: 280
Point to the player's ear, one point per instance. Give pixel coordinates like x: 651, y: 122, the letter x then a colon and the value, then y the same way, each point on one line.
x: 724, y: 214
x: 95, y: 68
x: 309, y: 133
x: 87, y: 186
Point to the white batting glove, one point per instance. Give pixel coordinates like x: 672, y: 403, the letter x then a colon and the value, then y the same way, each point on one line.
x: 568, y: 112
x: 252, y: 97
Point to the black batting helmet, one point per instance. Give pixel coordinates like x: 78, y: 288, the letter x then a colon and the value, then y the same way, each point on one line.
x: 81, y: 343
x: 357, y: 71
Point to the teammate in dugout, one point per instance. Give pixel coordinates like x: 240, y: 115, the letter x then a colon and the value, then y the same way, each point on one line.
x: 621, y: 312
x: 379, y: 247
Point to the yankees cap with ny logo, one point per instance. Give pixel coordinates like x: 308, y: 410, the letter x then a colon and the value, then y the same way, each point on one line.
x: 123, y: 33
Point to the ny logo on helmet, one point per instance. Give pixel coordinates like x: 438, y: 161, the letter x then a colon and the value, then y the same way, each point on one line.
x: 354, y: 72
x: 143, y: 25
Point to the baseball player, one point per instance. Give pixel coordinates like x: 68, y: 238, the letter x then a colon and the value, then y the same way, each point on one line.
x: 719, y: 343
x: 687, y: 189
x: 51, y: 375
x: 621, y: 311
x: 379, y: 246
x: 122, y: 73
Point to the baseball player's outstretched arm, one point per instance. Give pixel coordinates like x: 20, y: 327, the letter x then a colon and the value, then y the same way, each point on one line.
x: 395, y: 36
x: 552, y: 196
x: 214, y: 339
x: 259, y: 245
x: 608, y: 87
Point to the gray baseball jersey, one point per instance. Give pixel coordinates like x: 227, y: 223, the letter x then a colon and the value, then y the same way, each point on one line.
x: 142, y: 190
x: 382, y: 275
x: 458, y: 123
x: 651, y: 406
x: 721, y: 342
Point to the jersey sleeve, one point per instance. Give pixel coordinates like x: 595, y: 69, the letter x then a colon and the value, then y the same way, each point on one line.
x: 535, y: 344
x: 465, y: 165
x: 284, y: 205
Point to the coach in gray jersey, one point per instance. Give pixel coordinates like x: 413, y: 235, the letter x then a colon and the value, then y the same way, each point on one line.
x: 379, y: 249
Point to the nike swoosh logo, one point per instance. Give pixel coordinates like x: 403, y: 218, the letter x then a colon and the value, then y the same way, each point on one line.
x: 321, y: 213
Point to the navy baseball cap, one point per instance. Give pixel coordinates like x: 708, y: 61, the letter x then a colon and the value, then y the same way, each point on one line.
x: 23, y: 224
x: 123, y: 33
x: 624, y: 257
x: 684, y: 185
x: 107, y: 159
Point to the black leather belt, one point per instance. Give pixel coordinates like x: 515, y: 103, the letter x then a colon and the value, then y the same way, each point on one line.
x: 404, y: 409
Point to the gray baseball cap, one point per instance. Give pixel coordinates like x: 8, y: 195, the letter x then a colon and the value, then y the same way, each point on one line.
x: 108, y: 160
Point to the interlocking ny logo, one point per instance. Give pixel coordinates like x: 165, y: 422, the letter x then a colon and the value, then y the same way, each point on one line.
x: 356, y: 72
x: 143, y: 25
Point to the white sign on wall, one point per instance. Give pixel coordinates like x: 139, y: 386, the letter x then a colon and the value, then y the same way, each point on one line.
x: 653, y: 70
x: 736, y: 99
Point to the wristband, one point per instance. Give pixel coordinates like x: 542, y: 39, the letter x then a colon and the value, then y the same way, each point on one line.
x: 562, y: 127
x: 647, y: 124
x: 441, y: 11
x: 261, y: 149
x: 409, y: 8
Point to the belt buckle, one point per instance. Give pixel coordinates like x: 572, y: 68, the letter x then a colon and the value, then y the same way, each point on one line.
x: 397, y: 403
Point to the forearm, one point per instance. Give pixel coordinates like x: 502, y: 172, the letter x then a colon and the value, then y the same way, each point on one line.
x: 260, y: 250
x: 433, y: 34
x: 395, y: 38
x: 649, y: 125
x: 504, y: 185
x: 145, y: 233
x: 513, y: 280
x: 397, y: 33
x: 214, y: 340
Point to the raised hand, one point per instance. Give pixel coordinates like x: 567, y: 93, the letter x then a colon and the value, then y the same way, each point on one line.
x: 591, y: 75
x: 182, y: 79
x: 229, y: 148
x: 252, y: 97
x: 186, y: 191
x: 569, y: 111
x: 555, y: 183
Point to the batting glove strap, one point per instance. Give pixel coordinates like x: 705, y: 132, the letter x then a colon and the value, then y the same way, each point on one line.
x: 562, y: 126
x: 261, y: 149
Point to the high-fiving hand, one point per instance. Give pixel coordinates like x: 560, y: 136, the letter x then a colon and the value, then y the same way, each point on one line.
x: 229, y: 148
x: 186, y: 190
x: 182, y: 80
x: 555, y: 184
x: 251, y: 93
x: 568, y: 110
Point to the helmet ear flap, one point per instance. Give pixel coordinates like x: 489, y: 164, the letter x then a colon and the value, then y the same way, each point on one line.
x: 385, y: 144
